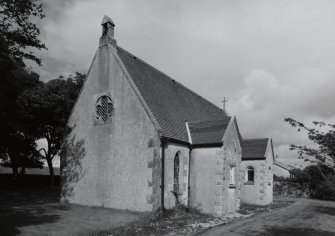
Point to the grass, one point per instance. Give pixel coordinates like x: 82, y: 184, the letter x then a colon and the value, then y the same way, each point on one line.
x: 183, y: 221
x: 178, y: 220
x: 36, y: 210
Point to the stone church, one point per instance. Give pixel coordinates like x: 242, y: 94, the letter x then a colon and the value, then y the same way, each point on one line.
x: 139, y: 140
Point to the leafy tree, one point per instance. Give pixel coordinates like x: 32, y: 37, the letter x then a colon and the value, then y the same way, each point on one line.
x: 311, y: 181
x: 17, y: 145
x: 21, y: 154
x: 322, y: 175
x: 300, y: 180
x: 323, y: 135
x: 48, y: 107
x: 18, y: 32
x: 19, y: 35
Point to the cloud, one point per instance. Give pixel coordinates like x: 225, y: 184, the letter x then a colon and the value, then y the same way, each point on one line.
x: 265, y: 100
x: 271, y: 59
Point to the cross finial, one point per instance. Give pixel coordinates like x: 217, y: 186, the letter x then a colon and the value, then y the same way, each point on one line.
x: 224, y: 103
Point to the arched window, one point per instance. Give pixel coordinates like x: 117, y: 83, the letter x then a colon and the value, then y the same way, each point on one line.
x: 176, y: 173
x: 250, y: 174
x: 104, y: 109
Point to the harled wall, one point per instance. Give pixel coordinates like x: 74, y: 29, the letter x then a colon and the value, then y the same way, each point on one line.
x: 203, y: 179
x: 169, y: 197
x: 115, y: 164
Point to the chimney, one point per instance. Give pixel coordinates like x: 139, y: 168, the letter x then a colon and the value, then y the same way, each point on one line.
x: 107, y: 36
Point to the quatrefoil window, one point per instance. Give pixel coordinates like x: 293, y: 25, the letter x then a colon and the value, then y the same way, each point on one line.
x: 104, y: 109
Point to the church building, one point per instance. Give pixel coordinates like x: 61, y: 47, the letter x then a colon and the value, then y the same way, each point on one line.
x: 141, y: 141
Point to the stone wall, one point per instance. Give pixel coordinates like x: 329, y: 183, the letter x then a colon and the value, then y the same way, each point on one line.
x: 232, y: 154
x: 115, y: 164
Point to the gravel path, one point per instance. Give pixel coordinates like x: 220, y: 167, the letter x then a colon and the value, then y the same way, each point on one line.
x: 305, y: 217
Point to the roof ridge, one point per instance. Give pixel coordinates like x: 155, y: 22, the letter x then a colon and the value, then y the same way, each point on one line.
x: 247, y: 139
x: 168, y: 77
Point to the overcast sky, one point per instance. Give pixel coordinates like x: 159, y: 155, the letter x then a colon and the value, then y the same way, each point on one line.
x: 270, y: 59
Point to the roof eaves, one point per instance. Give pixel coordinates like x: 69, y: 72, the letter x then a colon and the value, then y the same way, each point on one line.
x: 253, y: 158
x: 207, y: 145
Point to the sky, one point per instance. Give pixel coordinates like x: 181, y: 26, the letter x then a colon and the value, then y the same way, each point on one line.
x: 270, y: 59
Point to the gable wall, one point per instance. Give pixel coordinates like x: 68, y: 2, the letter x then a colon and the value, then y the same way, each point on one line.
x: 112, y: 164
x: 232, y: 157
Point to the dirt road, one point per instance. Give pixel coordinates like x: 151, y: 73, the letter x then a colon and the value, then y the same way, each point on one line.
x: 305, y: 217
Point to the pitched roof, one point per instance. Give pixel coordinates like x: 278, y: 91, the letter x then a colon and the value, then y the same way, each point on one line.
x: 254, y: 148
x: 107, y: 19
x: 170, y: 102
x: 284, y: 166
x: 208, y: 132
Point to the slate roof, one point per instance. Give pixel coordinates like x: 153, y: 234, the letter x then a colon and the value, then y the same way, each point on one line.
x: 170, y: 102
x: 208, y: 132
x: 254, y: 148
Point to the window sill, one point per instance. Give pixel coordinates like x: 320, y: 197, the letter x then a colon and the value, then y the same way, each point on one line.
x: 232, y: 186
x: 249, y: 183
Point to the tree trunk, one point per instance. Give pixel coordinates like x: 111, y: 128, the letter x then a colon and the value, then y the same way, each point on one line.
x: 51, y: 171
x: 15, y: 172
x: 23, y: 171
x: 13, y: 165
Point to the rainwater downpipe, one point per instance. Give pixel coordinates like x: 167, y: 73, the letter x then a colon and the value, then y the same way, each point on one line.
x: 163, y: 145
x: 189, y: 177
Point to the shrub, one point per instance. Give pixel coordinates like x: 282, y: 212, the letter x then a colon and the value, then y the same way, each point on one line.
x: 315, y: 181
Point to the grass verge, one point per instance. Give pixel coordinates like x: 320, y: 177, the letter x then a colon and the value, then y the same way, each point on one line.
x: 184, y: 221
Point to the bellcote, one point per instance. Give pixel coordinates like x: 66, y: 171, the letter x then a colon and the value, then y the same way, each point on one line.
x: 107, y: 35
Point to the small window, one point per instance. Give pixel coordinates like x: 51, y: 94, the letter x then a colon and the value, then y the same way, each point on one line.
x: 232, y: 176
x: 250, y: 174
x: 104, y: 109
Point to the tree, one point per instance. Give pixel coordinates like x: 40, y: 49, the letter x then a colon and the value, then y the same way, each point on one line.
x: 48, y: 107
x: 18, y: 32
x: 311, y: 181
x: 323, y: 135
x: 21, y: 154
x: 19, y: 35
x: 323, y: 155
x: 17, y: 145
